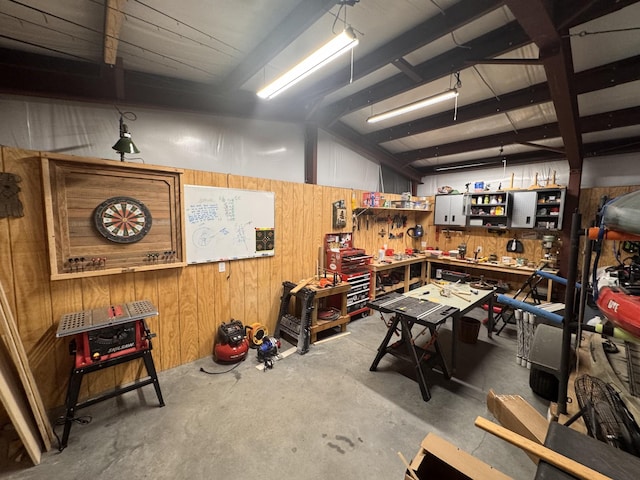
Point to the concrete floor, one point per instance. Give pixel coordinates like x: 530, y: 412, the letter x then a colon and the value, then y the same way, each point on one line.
x: 318, y: 415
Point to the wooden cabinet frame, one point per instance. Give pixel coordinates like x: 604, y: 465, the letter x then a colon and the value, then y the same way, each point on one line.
x: 73, y: 187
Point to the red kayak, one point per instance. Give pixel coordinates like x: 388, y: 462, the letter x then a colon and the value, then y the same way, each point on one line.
x: 621, y: 308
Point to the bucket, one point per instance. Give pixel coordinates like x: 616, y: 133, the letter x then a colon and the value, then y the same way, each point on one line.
x: 469, y: 329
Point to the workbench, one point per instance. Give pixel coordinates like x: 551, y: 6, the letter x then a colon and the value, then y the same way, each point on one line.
x: 333, y: 296
x: 478, y: 269
x: 298, y: 316
x: 389, y: 263
x: 427, y: 261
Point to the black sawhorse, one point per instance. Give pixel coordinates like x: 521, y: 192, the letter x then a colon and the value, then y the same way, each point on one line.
x: 77, y: 373
x: 406, y: 349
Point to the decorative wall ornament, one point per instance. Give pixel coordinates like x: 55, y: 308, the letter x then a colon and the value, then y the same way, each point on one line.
x: 10, y: 204
x: 339, y: 214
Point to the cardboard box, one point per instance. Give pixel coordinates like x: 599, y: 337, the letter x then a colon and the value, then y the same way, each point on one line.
x: 371, y: 199
x: 513, y: 412
x: 441, y: 460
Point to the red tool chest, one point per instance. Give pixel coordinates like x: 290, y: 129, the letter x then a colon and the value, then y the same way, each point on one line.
x: 353, y: 266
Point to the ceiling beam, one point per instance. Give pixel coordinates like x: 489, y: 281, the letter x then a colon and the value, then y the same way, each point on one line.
x: 505, y: 61
x: 497, y: 42
x: 488, y: 162
x: 576, y: 12
x: 455, y: 17
x: 543, y: 147
x: 533, y: 95
x: 592, y: 150
x: 406, y: 68
x: 113, y: 16
x: 619, y: 146
x: 22, y: 73
x: 555, y: 52
x: 593, y: 123
x: 604, y: 76
x: 305, y: 14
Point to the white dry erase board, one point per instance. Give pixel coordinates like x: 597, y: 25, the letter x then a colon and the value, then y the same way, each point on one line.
x: 228, y: 224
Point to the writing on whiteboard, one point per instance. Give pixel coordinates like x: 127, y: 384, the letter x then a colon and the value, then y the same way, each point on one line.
x: 223, y: 223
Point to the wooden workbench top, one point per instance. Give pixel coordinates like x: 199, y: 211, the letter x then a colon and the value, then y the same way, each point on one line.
x: 498, y: 267
x: 328, y: 291
x: 391, y: 262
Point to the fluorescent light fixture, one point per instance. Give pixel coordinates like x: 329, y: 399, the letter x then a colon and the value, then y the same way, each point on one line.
x: 441, y: 97
x: 325, y: 54
x: 464, y: 165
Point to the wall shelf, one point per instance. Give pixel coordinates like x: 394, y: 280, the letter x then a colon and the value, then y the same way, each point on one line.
x: 488, y: 209
x: 360, y: 210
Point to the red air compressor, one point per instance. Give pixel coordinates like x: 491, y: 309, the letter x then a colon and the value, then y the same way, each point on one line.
x: 231, y: 344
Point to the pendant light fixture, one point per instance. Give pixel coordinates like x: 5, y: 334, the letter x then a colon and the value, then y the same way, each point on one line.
x: 340, y: 44
x: 125, y: 143
x: 425, y: 102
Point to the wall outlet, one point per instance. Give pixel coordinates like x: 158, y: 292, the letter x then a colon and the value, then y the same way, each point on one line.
x: 478, y: 249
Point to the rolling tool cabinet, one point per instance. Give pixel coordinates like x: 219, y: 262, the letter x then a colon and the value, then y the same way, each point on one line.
x: 352, y: 264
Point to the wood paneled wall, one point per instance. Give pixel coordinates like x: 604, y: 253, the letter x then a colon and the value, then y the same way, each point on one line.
x: 441, y: 238
x: 192, y: 301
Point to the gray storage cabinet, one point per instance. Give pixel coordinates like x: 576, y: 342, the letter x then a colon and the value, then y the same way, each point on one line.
x: 449, y: 210
x: 523, y: 213
x: 541, y: 209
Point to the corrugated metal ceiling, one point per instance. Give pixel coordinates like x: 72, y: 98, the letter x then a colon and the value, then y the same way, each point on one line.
x: 212, y: 55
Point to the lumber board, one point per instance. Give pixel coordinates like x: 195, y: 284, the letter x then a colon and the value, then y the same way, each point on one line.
x: 15, y: 348
x: 564, y: 463
x: 12, y: 400
x: 206, y: 308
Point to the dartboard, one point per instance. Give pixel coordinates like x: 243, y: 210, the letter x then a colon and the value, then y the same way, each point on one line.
x: 122, y: 219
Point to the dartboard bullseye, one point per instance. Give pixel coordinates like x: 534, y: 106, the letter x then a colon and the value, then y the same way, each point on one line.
x: 122, y: 219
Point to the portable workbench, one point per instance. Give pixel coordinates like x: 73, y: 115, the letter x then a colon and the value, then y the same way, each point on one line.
x: 424, y: 306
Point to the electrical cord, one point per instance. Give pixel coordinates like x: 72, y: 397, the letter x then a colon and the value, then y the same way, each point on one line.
x: 226, y: 371
x: 84, y: 420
